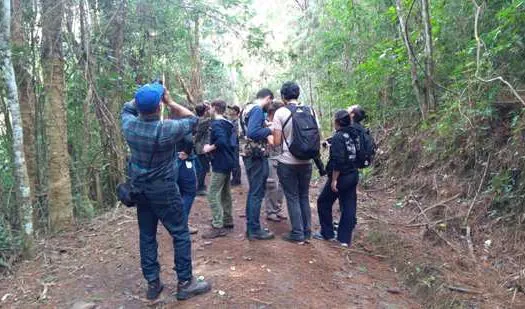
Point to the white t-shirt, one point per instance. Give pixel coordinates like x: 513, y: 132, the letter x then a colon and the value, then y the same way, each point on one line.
x: 280, y: 117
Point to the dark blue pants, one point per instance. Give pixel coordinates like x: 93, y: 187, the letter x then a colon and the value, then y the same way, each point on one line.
x: 295, y: 180
x: 163, y: 202
x: 236, y: 175
x: 347, y: 195
x: 203, y: 167
x: 187, y: 182
x: 257, y: 171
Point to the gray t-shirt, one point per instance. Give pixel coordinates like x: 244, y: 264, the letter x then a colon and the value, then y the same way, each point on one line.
x: 281, y: 115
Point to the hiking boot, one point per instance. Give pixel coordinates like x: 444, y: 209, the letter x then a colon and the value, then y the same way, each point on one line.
x: 292, y: 239
x: 192, y: 287
x: 344, y: 245
x: 202, y: 193
x: 319, y: 236
x: 260, y: 235
x: 193, y: 230
x: 215, y: 233
x: 154, y: 289
x: 273, y: 217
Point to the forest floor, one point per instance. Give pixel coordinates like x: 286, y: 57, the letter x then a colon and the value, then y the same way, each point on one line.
x: 98, y: 264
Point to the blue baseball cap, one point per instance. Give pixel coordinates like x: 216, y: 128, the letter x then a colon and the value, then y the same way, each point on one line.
x: 147, y: 97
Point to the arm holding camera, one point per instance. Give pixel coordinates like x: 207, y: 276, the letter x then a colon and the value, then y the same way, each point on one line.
x: 176, y: 110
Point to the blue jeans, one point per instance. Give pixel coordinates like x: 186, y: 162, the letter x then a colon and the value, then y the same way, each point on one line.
x: 187, y: 182
x: 203, y: 167
x: 295, y: 180
x: 257, y: 171
x: 163, y: 202
x: 347, y: 195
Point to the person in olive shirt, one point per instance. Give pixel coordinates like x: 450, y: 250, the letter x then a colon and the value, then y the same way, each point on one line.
x: 343, y: 177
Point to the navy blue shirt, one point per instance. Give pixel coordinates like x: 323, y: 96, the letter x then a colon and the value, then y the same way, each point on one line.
x: 224, y: 138
x: 256, y: 130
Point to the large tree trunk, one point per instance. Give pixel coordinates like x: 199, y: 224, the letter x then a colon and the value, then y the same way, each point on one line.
x: 429, y: 56
x: 413, y: 62
x: 26, y: 93
x: 59, y: 181
x: 23, y: 188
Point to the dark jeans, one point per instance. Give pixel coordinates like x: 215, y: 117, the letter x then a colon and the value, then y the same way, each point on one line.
x: 187, y: 183
x: 347, y: 195
x: 257, y: 171
x: 236, y: 174
x: 163, y: 202
x: 295, y: 180
x: 203, y: 167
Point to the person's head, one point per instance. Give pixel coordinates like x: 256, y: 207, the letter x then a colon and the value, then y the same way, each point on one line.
x: 357, y: 113
x: 148, y: 98
x: 235, y: 111
x: 265, y: 97
x: 218, y: 107
x: 276, y: 104
x: 342, y: 119
x: 290, y: 91
x: 201, y: 109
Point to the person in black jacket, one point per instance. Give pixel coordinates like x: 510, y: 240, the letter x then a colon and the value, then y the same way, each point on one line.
x: 341, y: 184
x: 222, y: 147
x: 187, y: 177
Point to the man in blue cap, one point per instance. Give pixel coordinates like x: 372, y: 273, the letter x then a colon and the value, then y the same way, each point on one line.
x: 152, y: 170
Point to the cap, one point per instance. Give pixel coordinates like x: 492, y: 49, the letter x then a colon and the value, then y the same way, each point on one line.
x: 148, y: 97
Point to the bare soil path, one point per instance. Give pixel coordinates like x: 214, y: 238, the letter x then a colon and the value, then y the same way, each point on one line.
x: 99, y: 263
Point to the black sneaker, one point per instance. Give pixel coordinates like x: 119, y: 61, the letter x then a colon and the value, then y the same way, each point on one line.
x: 154, y: 289
x: 292, y: 239
x: 215, y: 233
x: 260, y: 235
x: 191, y: 288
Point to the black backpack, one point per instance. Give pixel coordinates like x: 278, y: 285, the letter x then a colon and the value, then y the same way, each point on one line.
x: 366, y: 147
x: 306, y: 142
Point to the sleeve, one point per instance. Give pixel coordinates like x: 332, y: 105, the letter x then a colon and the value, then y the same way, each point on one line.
x: 128, y: 114
x: 277, y: 120
x: 256, y: 130
x: 179, y: 128
x: 337, y: 152
x: 220, y: 138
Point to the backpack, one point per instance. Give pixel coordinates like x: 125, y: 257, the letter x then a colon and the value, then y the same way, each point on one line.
x: 306, y: 142
x: 366, y: 147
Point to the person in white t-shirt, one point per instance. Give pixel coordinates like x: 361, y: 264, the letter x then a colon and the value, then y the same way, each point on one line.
x: 294, y: 174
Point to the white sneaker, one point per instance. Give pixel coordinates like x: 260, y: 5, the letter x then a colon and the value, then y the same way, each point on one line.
x: 343, y: 244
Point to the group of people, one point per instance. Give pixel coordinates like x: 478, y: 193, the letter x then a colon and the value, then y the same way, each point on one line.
x: 277, y: 140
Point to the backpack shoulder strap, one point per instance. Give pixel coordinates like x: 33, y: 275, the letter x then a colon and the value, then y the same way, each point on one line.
x: 293, y: 109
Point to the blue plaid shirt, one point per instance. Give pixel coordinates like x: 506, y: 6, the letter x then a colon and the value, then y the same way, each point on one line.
x: 140, y: 132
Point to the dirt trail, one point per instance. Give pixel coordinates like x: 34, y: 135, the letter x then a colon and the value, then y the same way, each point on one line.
x: 99, y: 263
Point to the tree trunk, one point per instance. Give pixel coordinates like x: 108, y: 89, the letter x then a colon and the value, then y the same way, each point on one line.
x: 59, y: 181
x: 26, y: 93
x: 196, y: 87
x: 429, y: 56
x: 23, y: 188
x: 413, y: 64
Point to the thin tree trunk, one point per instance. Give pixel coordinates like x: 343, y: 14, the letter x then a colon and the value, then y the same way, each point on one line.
x: 59, y: 181
x: 429, y: 56
x: 26, y: 93
x: 196, y: 86
x: 413, y: 64
x: 22, y: 179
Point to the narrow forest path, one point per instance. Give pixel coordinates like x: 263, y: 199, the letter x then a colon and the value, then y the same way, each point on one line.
x: 99, y: 263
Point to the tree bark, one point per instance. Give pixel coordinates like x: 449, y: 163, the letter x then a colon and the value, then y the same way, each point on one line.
x: 23, y: 188
x: 26, y: 93
x: 196, y: 86
x: 413, y: 62
x: 429, y: 56
x: 59, y: 181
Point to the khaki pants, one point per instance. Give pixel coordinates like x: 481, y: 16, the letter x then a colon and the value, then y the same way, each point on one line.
x: 273, y: 199
x: 220, y: 200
